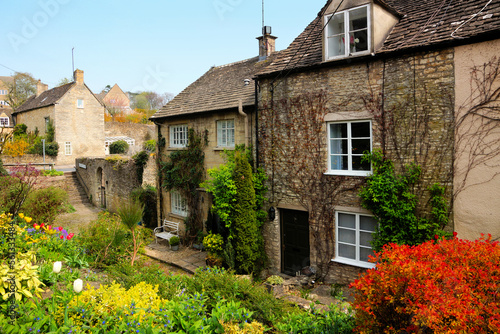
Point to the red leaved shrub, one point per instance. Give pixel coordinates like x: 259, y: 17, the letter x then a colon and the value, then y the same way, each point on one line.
x: 441, y: 286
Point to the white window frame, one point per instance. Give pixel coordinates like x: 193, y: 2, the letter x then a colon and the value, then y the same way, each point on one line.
x: 178, y: 135
x: 354, y: 262
x: 225, y: 133
x: 347, y: 50
x: 178, y: 204
x: 67, y: 148
x: 3, y: 92
x: 79, y: 103
x: 4, y: 122
x: 349, y: 171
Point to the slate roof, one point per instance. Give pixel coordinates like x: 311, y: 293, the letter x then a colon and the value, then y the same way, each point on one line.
x: 47, y: 98
x: 423, y: 23
x: 219, y: 88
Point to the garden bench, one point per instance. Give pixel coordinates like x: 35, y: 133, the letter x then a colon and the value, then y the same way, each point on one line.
x: 166, y: 231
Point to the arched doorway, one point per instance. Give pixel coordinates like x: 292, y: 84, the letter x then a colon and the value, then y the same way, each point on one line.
x: 101, y: 188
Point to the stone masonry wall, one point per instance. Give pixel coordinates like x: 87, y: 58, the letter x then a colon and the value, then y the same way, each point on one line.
x: 139, y: 132
x: 418, y: 93
x: 82, y: 127
x: 213, y: 157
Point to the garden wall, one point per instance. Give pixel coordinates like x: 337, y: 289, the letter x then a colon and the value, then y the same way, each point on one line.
x: 139, y: 132
x: 109, y: 181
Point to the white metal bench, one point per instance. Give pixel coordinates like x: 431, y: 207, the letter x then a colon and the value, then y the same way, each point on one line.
x: 166, y: 231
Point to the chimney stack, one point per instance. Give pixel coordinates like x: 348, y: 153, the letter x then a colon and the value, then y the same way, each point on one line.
x: 267, y: 43
x: 40, y: 87
x: 78, y: 77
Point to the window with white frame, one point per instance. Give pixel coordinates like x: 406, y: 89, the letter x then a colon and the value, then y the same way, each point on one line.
x: 354, y: 233
x: 67, y: 148
x: 3, y: 103
x: 3, y: 92
x: 178, y: 204
x: 347, y: 142
x: 4, y: 121
x: 225, y: 133
x: 348, y: 33
x: 178, y: 135
x: 79, y: 103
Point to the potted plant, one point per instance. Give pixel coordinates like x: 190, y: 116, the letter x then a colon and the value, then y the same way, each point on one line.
x: 174, y: 243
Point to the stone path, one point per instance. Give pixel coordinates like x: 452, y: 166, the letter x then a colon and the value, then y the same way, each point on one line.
x: 185, y: 258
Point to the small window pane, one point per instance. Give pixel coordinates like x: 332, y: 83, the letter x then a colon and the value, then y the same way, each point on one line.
x: 347, y: 251
x: 347, y: 220
x: 358, y: 18
x: 339, y: 162
x: 360, y: 129
x: 347, y: 236
x: 338, y: 146
x: 365, y: 239
x: 368, y: 223
x: 359, y: 146
x: 359, y: 165
x: 338, y: 130
x: 364, y: 253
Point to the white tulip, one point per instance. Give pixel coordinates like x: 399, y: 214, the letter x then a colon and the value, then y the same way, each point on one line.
x: 78, y: 285
x: 57, y: 267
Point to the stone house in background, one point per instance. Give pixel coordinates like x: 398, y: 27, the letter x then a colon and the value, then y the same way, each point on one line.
x: 115, y: 100
x: 76, y: 113
x: 5, y: 109
x: 222, y: 103
x: 371, y: 74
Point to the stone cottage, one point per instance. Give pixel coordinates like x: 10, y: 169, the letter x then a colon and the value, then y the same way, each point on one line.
x: 222, y: 103
x: 115, y: 100
x: 5, y: 109
x: 76, y: 114
x: 370, y: 74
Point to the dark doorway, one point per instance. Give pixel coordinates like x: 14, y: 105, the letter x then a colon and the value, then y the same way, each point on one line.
x: 294, y: 241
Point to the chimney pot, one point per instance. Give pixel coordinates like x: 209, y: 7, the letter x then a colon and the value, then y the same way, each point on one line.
x: 267, y: 43
x: 78, y: 76
x: 40, y: 87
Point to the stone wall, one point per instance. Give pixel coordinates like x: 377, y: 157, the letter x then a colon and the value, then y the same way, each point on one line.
x: 83, y: 127
x: 139, y: 132
x: 213, y: 153
x: 109, y: 181
x: 417, y: 90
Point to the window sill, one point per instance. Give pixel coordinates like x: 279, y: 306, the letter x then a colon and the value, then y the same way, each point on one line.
x: 348, y: 173
x: 351, y: 55
x: 222, y: 148
x: 366, y: 265
x: 176, y: 215
x: 176, y: 148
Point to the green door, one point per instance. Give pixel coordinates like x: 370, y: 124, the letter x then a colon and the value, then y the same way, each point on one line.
x: 294, y: 241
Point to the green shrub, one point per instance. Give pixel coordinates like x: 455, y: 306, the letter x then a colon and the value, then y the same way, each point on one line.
x: 335, y: 321
x: 216, y: 283
x: 118, y: 147
x: 43, y: 205
x: 3, y: 171
x: 20, y: 129
x: 141, y: 159
x: 150, y: 145
x: 52, y: 172
x: 51, y: 148
x: 9, y: 187
x: 107, y: 241
x: 146, y: 195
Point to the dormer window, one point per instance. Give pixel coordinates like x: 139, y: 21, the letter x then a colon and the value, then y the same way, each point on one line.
x: 348, y: 33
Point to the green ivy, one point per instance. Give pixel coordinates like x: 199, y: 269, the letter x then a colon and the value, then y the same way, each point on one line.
x: 184, y: 171
x: 391, y: 198
x: 141, y: 159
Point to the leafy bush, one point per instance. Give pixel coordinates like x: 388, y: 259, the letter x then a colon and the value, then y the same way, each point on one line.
x: 51, y: 148
x: 439, y: 286
x: 150, y: 145
x: 213, y: 243
x: 52, y: 172
x: 392, y: 200
x: 335, y: 321
x: 43, y: 205
x: 216, y: 283
x: 107, y: 241
x: 3, y: 171
x: 15, y: 148
x: 20, y: 129
x: 146, y: 195
x: 26, y: 274
x: 141, y: 159
x: 118, y: 147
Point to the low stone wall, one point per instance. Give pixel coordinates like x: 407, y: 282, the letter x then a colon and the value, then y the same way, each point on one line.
x: 109, y: 181
x: 28, y: 158
x: 139, y: 132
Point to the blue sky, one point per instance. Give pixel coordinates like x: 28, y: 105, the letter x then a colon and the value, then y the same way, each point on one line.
x: 141, y: 45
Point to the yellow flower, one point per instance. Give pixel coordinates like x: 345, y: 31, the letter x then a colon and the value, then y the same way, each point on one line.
x: 21, y: 215
x: 27, y: 219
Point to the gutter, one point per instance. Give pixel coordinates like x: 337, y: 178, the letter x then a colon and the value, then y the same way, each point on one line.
x: 159, y: 207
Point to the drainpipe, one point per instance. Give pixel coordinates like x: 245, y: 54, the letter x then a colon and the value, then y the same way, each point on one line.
x: 240, y: 111
x: 160, y: 180
x: 256, y: 124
